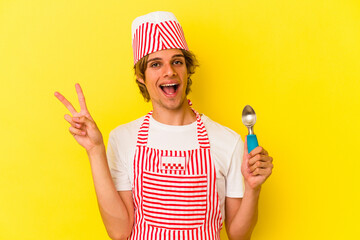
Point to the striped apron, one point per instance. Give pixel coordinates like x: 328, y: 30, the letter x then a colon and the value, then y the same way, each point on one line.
x: 174, y: 191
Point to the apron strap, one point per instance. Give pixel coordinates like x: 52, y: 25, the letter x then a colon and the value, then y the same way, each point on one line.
x: 202, y: 135
x: 143, y: 133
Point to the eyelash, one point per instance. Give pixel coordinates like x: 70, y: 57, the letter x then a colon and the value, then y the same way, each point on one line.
x: 153, y: 64
x: 176, y: 62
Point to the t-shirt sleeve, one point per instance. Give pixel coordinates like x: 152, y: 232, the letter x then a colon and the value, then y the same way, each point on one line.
x: 117, y: 166
x: 234, y: 179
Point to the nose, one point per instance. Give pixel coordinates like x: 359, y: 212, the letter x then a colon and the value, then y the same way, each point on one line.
x: 169, y: 70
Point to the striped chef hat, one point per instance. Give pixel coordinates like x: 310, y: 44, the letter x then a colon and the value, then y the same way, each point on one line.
x: 154, y: 32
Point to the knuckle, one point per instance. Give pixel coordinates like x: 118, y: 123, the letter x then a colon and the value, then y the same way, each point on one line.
x: 251, y: 161
x: 257, y: 150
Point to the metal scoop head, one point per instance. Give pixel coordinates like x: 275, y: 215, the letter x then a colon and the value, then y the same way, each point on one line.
x: 249, y: 118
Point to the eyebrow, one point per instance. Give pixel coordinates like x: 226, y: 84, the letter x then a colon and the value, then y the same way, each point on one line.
x: 157, y: 58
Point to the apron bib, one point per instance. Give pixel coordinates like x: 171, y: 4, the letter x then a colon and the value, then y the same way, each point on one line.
x: 174, y: 192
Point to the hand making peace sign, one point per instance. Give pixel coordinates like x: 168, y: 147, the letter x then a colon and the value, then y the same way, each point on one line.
x: 83, y: 127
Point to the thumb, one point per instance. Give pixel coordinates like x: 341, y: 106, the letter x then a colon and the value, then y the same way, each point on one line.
x: 246, y: 155
x: 245, y: 146
x: 83, y: 120
x: 245, y: 161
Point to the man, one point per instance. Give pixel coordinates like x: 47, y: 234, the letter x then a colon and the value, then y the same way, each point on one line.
x: 174, y: 174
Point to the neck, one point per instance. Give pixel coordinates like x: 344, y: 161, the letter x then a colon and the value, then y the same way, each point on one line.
x: 180, y: 116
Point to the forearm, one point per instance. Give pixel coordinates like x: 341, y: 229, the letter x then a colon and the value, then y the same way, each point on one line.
x: 116, y: 213
x: 242, y: 224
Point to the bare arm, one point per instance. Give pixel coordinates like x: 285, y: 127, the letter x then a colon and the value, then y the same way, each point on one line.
x: 242, y: 213
x: 116, y: 208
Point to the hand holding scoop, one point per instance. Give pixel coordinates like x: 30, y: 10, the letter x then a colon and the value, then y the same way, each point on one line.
x: 249, y: 119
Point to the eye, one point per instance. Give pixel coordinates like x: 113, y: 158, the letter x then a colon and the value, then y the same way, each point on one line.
x: 154, y: 64
x: 178, y: 62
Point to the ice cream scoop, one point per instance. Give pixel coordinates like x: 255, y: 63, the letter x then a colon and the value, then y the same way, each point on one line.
x: 249, y: 120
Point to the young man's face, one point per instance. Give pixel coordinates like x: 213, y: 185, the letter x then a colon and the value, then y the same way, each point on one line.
x: 166, y: 78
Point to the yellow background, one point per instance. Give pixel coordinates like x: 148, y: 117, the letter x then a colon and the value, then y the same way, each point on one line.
x: 296, y: 62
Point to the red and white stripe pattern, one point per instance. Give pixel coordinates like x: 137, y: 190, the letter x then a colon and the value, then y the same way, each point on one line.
x: 175, y: 203
x: 184, y: 209
x: 154, y: 32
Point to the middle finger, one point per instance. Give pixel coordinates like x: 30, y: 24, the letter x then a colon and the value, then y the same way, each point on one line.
x: 259, y: 157
x: 259, y: 164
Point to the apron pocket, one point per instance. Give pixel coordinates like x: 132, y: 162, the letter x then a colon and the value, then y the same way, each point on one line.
x: 176, y: 202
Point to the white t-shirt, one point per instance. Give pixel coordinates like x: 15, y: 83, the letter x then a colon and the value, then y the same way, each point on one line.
x: 226, y: 149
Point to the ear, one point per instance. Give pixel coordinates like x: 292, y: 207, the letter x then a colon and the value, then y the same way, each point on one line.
x: 140, y: 80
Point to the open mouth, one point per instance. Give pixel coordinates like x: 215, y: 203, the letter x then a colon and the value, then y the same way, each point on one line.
x: 169, y: 89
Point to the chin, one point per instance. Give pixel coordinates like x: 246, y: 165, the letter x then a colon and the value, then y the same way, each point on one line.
x: 174, y: 105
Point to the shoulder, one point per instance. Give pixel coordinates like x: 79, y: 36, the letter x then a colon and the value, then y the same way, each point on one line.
x: 218, y: 132
x: 127, y: 131
x: 225, y: 143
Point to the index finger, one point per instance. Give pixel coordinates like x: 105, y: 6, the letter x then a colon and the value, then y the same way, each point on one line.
x: 81, y: 97
x: 258, y: 150
x: 66, y: 103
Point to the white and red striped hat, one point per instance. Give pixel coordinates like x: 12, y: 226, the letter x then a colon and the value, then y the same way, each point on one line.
x: 154, y: 32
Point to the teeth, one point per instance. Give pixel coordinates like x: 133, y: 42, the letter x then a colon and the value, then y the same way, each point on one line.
x: 168, y: 85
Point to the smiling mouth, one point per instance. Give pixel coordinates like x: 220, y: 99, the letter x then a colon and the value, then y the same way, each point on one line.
x: 169, y: 89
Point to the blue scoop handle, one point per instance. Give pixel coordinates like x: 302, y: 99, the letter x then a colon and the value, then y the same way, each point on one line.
x: 251, y: 142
